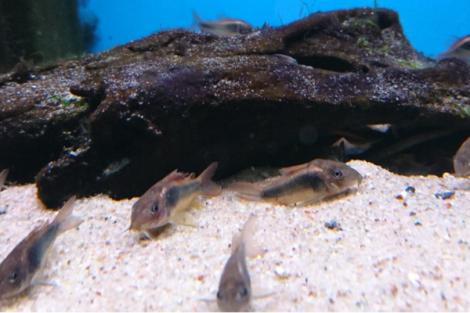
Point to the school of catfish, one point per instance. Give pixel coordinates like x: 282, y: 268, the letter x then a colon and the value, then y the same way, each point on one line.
x: 166, y: 201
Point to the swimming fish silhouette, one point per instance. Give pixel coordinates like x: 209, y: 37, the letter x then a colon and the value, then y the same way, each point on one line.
x: 222, y: 27
x: 302, y: 184
x: 19, y: 269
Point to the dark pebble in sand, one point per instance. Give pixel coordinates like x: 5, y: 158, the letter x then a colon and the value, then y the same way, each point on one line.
x: 444, y: 195
x: 410, y: 189
x: 333, y: 225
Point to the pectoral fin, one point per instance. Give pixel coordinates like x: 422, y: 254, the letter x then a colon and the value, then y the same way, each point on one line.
x: 258, y: 294
x: 207, y: 300
x: 37, y: 280
x: 307, y: 202
x: 182, y: 219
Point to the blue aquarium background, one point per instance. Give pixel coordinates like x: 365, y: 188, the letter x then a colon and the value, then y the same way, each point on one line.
x: 431, y: 25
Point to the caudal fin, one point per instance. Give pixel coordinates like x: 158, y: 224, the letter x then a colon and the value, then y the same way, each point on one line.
x: 65, y: 219
x: 3, y: 177
x: 252, y: 248
x: 208, y: 187
x: 195, y: 25
x: 246, y: 190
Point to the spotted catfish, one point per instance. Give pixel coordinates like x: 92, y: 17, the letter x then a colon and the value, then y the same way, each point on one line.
x: 160, y: 204
x: 20, y: 268
x: 302, y: 184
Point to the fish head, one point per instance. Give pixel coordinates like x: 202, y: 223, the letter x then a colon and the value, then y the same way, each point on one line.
x: 13, y: 276
x: 150, y: 211
x: 337, y: 175
x: 233, y: 296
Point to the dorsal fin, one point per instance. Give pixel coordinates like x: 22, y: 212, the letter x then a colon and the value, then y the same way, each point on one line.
x: 65, y: 219
x: 291, y: 169
x: 175, y: 176
x: 252, y: 248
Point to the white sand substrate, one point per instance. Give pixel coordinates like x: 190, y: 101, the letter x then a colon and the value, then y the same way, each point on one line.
x: 390, y: 255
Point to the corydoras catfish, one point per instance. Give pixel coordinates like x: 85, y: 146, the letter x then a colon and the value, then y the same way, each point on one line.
x: 20, y: 268
x: 460, y: 49
x: 222, y: 27
x: 462, y: 160
x: 159, y: 205
x: 3, y: 177
x: 302, y: 184
x: 235, y: 291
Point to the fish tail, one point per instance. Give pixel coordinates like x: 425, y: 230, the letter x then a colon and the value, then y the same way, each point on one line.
x: 236, y: 239
x: 196, y: 21
x: 252, y: 248
x: 3, y: 177
x: 441, y: 56
x: 196, y: 17
x: 64, y: 219
x: 208, y: 187
x: 246, y: 190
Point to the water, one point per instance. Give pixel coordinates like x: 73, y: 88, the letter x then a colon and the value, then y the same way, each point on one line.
x: 430, y: 25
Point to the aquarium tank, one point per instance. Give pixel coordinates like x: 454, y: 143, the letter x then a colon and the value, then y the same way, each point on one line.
x: 112, y: 86
x: 49, y: 30
x: 430, y: 26
x: 144, y: 143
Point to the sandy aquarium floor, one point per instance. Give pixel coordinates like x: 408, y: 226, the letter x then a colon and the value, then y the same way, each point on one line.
x: 389, y: 254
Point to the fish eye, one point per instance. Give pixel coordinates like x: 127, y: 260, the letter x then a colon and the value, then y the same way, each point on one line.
x: 219, y: 295
x: 337, y: 174
x: 154, y: 209
x: 243, y: 292
x: 12, y: 278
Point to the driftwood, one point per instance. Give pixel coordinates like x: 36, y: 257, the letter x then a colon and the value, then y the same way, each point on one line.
x: 118, y: 121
